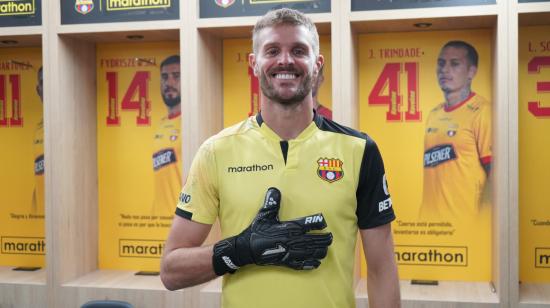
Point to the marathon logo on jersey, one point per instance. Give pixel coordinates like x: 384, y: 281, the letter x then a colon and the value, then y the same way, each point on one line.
x: 330, y: 169
x: 163, y: 158
x: 39, y: 165
x: 224, y: 3
x: 438, y: 155
x: 84, y: 6
x: 251, y: 168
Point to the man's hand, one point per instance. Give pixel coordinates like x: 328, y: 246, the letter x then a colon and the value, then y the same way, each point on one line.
x: 268, y: 241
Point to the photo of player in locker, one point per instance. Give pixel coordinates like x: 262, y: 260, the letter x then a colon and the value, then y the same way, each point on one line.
x: 38, y: 149
x: 167, y: 141
x: 457, y: 140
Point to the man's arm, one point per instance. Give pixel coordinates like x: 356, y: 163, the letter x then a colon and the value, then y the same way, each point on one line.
x: 382, y: 278
x: 184, y: 262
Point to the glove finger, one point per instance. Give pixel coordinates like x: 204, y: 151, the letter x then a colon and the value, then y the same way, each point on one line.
x: 311, y: 240
x: 271, y: 205
x: 311, y: 222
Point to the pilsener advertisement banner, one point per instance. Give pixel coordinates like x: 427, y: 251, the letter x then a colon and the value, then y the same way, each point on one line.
x: 534, y: 150
x: 22, y: 156
x: 139, y: 151
x: 241, y: 89
x: 425, y: 98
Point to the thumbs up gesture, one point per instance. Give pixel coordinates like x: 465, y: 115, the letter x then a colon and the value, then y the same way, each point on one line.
x: 268, y: 241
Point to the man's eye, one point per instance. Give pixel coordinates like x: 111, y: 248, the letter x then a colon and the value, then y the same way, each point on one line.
x: 299, y: 51
x: 271, y: 51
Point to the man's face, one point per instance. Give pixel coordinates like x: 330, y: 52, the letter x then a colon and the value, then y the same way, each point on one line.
x: 39, y: 85
x: 454, y: 71
x: 285, y: 64
x: 170, y: 86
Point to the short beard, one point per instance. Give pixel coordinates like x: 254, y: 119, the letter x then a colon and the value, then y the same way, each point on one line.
x: 171, y: 102
x: 303, y: 90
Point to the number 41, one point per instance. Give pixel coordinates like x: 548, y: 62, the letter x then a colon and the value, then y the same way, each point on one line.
x: 388, y: 82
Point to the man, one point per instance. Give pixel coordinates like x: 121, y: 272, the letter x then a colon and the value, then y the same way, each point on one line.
x: 329, y: 175
x: 167, y: 142
x: 457, y: 145
x: 321, y: 110
x: 38, y: 146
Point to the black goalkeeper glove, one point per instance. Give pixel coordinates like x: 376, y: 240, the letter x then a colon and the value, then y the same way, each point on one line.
x: 268, y: 241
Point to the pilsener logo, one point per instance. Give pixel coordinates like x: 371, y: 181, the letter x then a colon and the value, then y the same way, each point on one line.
x: 140, y: 248
x: 438, y: 155
x: 17, y: 245
x: 431, y: 255
x: 251, y: 168
x: 16, y: 7
x: 119, y: 5
x: 542, y: 257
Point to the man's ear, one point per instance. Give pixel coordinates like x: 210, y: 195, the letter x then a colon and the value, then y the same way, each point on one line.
x: 319, y: 64
x: 472, y: 71
x: 252, y: 63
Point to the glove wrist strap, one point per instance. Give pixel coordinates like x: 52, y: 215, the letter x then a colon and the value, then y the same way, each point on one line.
x: 223, y: 259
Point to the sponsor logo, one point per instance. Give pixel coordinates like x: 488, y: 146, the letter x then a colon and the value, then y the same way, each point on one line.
x: 84, y: 6
x: 185, y: 198
x: 438, y: 155
x: 313, y: 219
x: 120, y: 5
x: 431, y: 255
x: 542, y: 257
x: 17, y: 245
x: 229, y: 263
x: 251, y: 168
x: 431, y: 130
x: 137, y: 248
x: 17, y: 7
x: 384, y: 205
x: 39, y: 165
x: 163, y: 158
x: 272, y: 251
x: 330, y: 169
x: 224, y: 3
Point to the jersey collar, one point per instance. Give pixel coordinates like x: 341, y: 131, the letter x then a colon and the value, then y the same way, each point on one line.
x: 305, y: 134
x: 455, y: 107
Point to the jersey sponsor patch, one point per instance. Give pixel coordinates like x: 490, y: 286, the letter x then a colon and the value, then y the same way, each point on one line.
x: 330, y: 169
x: 438, y: 155
x: 39, y: 165
x: 163, y: 158
x: 251, y: 168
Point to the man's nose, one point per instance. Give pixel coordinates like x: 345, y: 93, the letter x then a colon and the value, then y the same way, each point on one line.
x: 285, y: 58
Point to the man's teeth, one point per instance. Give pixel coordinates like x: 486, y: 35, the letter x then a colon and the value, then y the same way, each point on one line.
x: 285, y: 76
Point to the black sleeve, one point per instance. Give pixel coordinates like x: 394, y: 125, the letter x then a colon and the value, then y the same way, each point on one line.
x: 374, y: 205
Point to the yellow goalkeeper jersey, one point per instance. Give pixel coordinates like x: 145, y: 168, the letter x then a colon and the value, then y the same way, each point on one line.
x: 38, y: 148
x: 167, y: 165
x: 328, y: 168
x: 456, y: 146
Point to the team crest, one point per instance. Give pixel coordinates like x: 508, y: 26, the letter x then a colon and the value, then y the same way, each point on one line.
x: 224, y: 3
x: 84, y: 6
x: 330, y: 169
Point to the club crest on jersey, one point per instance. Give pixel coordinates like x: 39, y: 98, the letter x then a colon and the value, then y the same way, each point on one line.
x: 330, y: 169
x: 224, y: 3
x: 84, y: 6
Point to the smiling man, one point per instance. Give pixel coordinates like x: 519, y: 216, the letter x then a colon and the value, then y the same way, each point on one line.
x: 286, y: 162
x: 457, y: 143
